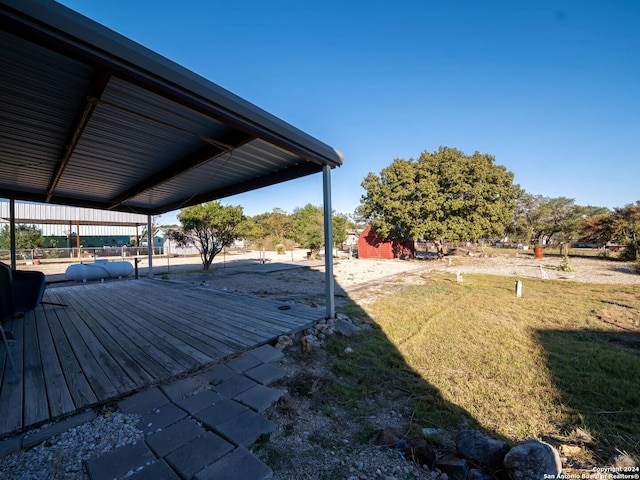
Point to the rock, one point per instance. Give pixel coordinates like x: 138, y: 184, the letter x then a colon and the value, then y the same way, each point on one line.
x: 532, y: 460
x: 475, y: 474
x: 479, y: 450
x: 306, y: 343
x: 420, y: 452
x: 570, y: 450
x: 348, y: 350
x: 283, y: 342
x: 345, y: 328
x: 580, y: 435
x: 623, y: 461
x: 455, y: 468
x: 385, y: 436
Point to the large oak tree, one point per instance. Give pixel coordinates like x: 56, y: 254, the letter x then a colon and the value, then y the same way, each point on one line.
x: 443, y: 195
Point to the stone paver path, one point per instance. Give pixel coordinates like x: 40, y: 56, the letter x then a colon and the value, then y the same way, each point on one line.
x: 191, y: 431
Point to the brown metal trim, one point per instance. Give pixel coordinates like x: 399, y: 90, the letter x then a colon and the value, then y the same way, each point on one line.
x: 291, y: 173
x: 232, y: 139
x: 97, y: 86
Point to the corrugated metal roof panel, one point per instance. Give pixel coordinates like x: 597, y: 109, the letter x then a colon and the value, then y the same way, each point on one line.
x: 43, y: 214
x: 251, y: 161
x: 90, y: 118
x: 37, y: 109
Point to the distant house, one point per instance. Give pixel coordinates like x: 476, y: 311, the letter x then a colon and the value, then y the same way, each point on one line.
x: 372, y: 246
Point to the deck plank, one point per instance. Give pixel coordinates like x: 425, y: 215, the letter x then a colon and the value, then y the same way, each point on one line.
x: 163, y: 321
x: 286, y: 318
x: 11, y: 400
x: 191, y: 320
x: 138, y: 376
x: 236, y: 311
x: 58, y: 396
x: 99, y: 380
x: 163, y: 352
x: 125, y: 336
x: 130, y: 326
x: 74, y: 375
x: 36, y: 407
x: 117, y: 376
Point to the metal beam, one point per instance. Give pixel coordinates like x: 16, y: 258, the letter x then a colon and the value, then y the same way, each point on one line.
x: 97, y: 86
x: 230, y: 140
x: 273, y: 178
x: 330, y: 300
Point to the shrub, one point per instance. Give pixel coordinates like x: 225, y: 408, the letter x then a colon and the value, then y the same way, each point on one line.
x: 566, y: 265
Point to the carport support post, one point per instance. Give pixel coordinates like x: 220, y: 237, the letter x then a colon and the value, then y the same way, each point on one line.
x: 328, y: 244
x: 149, y: 247
x: 12, y: 232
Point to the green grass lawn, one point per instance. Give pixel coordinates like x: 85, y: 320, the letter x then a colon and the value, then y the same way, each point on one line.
x: 565, y: 355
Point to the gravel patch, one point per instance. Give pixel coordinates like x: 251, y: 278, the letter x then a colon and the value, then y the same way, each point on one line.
x: 330, y: 443
x: 586, y: 270
x: 62, y: 456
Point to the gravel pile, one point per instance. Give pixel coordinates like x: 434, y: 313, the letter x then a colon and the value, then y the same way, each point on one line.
x: 62, y: 456
x: 319, y: 441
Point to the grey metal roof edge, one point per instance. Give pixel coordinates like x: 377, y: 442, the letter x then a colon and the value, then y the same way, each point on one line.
x: 142, y: 63
x: 27, y: 212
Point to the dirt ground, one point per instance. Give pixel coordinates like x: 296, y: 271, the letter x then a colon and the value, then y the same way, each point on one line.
x: 362, y: 280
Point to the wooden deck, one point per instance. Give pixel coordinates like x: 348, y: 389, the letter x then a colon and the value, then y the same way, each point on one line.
x: 117, y: 337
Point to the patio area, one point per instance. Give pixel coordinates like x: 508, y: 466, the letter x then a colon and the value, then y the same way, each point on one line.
x: 115, y: 338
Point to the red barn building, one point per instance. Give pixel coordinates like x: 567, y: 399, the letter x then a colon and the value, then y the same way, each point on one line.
x: 372, y: 246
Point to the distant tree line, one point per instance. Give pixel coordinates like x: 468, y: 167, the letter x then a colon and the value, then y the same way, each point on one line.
x: 448, y: 196
x: 210, y: 227
x: 443, y: 196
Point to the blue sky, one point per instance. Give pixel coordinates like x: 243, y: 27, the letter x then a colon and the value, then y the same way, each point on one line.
x: 550, y: 88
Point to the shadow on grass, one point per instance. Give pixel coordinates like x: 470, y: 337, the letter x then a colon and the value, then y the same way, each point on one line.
x: 362, y: 383
x: 375, y: 368
x: 596, y: 374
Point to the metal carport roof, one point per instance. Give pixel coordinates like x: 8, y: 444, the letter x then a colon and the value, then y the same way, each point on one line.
x: 92, y: 119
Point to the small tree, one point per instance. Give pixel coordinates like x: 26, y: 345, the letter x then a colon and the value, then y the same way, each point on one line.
x: 308, y: 227
x: 251, y: 231
x: 339, y: 233
x: 209, y: 227
x: 27, y: 237
x: 626, y: 224
x: 621, y: 226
